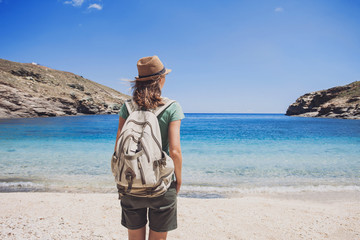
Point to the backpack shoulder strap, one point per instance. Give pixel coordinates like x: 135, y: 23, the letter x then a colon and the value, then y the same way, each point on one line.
x: 130, y: 105
x: 167, y: 103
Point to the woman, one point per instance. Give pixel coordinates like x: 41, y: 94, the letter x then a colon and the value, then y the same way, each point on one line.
x: 161, y: 210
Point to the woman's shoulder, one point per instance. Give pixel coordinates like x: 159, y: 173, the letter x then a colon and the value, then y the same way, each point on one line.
x: 173, y: 104
x: 124, y: 113
x: 174, y: 111
x: 173, y: 101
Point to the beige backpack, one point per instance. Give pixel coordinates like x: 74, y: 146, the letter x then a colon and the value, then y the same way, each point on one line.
x: 140, y: 167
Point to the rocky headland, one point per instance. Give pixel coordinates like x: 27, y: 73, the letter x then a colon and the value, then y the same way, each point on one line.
x: 336, y: 102
x: 33, y: 90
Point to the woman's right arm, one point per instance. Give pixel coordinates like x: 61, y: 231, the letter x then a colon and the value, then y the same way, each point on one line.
x: 175, y: 150
x: 120, y: 126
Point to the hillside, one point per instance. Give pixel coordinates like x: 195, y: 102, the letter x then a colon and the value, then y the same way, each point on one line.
x: 336, y: 102
x: 32, y: 90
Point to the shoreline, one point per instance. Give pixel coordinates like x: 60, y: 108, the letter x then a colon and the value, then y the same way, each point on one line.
x: 44, y: 215
x: 199, y: 192
x: 322, y: 197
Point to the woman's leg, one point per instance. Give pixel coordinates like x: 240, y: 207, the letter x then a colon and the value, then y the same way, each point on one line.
x: 163, y: 214
x: 137, y: 234
x: 157, y: 235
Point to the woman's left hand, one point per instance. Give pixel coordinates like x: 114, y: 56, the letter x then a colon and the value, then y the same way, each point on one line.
x: 178, y: 185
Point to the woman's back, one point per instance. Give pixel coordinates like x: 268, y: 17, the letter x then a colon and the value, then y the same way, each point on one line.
x: 172, y: 113
x: 161, y: 211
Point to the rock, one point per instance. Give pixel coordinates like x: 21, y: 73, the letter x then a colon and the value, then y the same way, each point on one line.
x: 353, y: 99
x: 76, y: 86
x: 29, y: 90
x: 27, y: 74
x: 337, y: 102
x: 116, y: 107
x: 87, y: 108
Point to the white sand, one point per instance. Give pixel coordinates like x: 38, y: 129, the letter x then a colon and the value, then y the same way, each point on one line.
x: 97, y: 216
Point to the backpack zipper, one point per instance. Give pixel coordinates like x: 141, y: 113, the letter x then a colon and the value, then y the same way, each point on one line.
x: 141, y: 172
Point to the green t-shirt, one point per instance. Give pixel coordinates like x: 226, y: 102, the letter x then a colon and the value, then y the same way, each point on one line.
x: 172, y: 113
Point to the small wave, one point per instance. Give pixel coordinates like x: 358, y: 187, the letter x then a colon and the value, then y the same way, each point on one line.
x: 221, y: 191
x: 20, y: 186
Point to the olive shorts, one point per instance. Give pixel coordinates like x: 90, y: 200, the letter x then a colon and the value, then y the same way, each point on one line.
x: 162, y: 211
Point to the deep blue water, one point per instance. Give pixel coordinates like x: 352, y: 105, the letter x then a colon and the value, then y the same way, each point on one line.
x: 222, y: 153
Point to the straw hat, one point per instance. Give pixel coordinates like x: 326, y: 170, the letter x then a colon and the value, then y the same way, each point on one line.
x: 149, y: 67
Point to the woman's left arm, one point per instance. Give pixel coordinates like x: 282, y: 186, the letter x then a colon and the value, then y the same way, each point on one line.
x: 175, y: 150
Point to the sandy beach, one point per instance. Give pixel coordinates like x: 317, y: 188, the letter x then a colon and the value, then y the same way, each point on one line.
x: 97, y: 216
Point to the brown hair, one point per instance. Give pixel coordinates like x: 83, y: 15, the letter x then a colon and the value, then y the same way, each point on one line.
x: 147, y: 94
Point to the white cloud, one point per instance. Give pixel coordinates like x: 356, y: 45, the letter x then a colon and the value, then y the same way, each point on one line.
x: 75, y: 3
x: 279, y: 9
x: 96, y: 6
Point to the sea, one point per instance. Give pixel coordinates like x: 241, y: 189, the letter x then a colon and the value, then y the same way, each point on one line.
x: 223, y: 154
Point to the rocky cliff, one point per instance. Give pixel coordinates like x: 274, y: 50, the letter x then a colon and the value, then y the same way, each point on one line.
x: 32, y: 90
x: 337, y: 102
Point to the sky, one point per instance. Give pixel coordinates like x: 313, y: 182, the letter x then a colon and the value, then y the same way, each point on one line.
x: 227, y: 56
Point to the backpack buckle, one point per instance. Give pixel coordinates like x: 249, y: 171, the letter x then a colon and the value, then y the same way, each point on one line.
x: 129, y: 176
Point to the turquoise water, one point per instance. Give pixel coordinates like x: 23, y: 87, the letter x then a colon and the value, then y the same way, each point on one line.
x: 222, y: 154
